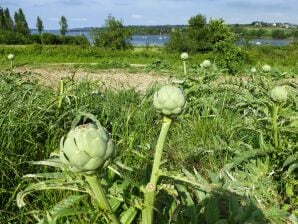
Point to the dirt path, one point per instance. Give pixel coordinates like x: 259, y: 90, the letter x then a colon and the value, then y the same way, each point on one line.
x: 112, y: 78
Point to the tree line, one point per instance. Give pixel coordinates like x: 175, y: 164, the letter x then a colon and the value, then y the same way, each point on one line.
x: 16, y: 31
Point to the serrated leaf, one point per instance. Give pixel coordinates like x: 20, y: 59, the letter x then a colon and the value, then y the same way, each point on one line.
x: 57, y: 175
x: 46, y: 185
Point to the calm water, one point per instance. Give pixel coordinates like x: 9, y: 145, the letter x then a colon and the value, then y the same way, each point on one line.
x: 160, y: 40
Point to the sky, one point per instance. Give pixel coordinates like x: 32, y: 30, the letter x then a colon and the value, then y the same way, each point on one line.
x: 92, y: 13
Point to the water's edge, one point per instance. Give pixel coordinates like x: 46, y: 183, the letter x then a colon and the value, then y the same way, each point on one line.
x: 160, y: 40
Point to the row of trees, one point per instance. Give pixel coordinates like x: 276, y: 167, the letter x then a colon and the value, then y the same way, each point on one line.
x: 20, y: 25
x: 247, y: 33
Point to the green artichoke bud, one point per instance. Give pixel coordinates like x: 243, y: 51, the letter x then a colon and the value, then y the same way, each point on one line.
x: 184, y: 56
x: 266, y: 68
x: 169, y: 100
x: 205, y: 64
x: 86, y: 148
x: 279, y: 94
x: 10, y: 57
x: 253, y: 70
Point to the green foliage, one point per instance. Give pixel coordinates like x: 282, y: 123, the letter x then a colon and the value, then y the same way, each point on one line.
x: 63, y: 26
x: 279, y: 34
x: 21, y: 24
x: 200, y: 36
x: 12, y: 37
x: 228, y: 56
x: 113, y: 36
x: 39, y: 25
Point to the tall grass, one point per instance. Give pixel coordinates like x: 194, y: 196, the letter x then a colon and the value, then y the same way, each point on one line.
x: 210, y: 136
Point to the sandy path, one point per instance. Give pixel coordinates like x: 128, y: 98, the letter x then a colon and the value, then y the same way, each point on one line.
x: 112, y: 78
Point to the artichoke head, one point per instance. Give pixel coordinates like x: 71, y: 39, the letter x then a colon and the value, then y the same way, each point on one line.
x: 184, y: 56
x: 86, y: 148
x: 169, y: 100
x: 266, y: 68
x: 10, y: 57
x: 205, y: 64
x: 279, y: 94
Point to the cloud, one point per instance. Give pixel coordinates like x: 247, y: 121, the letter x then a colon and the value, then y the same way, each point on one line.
x: 71, y: 2
x: 79, y: 19
x: 136, y: 16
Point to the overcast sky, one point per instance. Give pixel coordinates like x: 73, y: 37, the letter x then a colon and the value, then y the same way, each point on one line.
x: 87, y: 13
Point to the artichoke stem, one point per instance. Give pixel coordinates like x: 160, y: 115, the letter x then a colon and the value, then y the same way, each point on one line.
x: 274, y: 126
x: 100, y: 196
x: 61, y: 93
x: 184, y: 67
x: 147, y: 212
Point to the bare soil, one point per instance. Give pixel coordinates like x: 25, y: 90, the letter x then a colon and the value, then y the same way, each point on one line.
x: 112, y: 78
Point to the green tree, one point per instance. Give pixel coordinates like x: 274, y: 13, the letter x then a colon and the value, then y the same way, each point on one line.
x: 193, y: 39
x: 2, y: 22
x: 8, y: 22
x: 113, y: 36
x: 63, y: 26
x: 21, y: 24
x: 219, y: 31
x: 39, y: 24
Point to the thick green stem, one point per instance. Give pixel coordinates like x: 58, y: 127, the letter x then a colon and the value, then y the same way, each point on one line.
x: 61, y: 92
x: 184, y: 67
x: 100, y: 196
x: 11, y: 65
x: 274, y: 126
x: 147, y: 213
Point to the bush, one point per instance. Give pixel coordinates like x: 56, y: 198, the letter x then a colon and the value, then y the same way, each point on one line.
x: 35, y: 38
x: 114, y: 36
x: 49, y: 38
x: 228, y: 56
x: 11, y: 37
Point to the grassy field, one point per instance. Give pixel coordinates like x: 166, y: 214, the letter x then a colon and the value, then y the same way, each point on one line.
x: 283, y: 58
x: 230, y: 156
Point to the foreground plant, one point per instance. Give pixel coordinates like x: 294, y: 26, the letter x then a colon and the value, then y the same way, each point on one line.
x: 278, y: 95
x: 205, y: 64
x: 169, y: 100
x: 84, y: 151
x: 184, y: 57
x: 10, y: 57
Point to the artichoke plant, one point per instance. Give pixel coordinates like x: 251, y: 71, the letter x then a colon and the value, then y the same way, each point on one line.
x: 279, y: 94
x: 253, y: 70
x: 86, y: 148
x: 169, y: 100
x: 10, y: 57
x: 184, y: 56
x: 266, y: 68
x: 205, y: 64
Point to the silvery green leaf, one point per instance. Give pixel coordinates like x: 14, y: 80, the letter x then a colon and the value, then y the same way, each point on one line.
x: 46, y: 185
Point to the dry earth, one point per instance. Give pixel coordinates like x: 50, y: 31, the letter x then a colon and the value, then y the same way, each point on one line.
x: 112, y: 78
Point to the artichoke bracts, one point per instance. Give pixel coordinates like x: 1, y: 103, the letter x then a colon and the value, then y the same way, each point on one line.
x: 86, y: 148
x: 279, y: 94
x: 169, y: 100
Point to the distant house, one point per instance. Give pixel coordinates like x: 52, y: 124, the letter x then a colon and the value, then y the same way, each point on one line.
x: 274, y: 24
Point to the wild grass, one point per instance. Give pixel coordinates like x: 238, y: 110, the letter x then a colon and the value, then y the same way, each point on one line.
x: 283, y: 58
x: 225, y: 132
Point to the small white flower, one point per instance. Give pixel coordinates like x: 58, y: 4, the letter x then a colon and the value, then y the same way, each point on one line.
x: 10, y: 57
x: 205, y: 64
x: 253, y: 70
x: 184, y: 56
x: 266, y: 68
